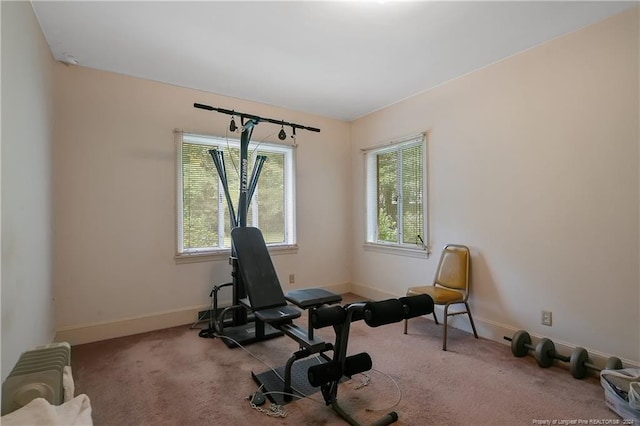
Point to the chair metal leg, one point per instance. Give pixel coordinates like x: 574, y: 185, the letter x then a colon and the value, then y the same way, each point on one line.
x: 406, y: 323
x: 444, y: 340
x: 473, y: 326
x: 435, y: 317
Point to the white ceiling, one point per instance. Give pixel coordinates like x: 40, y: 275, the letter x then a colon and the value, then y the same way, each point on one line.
x: 335, y: 59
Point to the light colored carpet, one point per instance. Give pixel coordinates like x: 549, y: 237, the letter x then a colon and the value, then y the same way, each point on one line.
x: 174, y: 377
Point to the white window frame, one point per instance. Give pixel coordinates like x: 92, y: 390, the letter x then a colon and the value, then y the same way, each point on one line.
x: 371, y: 195
x: 208, y: 253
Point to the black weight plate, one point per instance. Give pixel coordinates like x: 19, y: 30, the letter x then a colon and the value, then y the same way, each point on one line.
x: 520, y: 342
x: 578, y: 363
x: 614, y: 363
x: 545, y: 353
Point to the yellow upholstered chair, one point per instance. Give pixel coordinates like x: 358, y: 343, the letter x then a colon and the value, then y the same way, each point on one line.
x: 450, y: 285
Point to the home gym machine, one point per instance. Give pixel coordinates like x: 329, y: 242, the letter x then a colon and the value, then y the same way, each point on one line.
x: 260, y: 310
x: 238, y: 322
x: 320, y: 372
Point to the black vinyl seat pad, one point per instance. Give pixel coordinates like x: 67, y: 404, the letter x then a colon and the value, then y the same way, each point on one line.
x: 312, y: 297
x: 261, y: 281
x: 281, y: 314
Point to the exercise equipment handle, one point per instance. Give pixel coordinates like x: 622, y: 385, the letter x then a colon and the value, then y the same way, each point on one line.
x: 210, y: 108
x: 355, y: 364
x: 415, y: 306
x: 324, y: 317
x: 395, y: 310
x: 244, y: 115
x: 383, y: 312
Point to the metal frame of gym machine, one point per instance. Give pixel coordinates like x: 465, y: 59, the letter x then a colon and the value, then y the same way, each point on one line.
x: 241, y: 326
x: 326, y: 375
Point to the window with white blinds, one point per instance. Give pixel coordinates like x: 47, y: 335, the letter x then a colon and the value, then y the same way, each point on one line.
x: 396, y: 194
x: 204, y: 223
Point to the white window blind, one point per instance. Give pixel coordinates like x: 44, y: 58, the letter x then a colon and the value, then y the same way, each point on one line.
x: 204, y: 223
x: 396, y: 194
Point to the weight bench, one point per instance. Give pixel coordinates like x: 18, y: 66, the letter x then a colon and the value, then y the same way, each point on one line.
x: 268, y: 302
x: 270, y: 307
x: 245, y: 327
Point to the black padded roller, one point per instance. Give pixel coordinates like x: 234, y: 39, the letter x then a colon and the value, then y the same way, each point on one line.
x: 324, y: 317
x: 383, y: 312
x: 355, y: 364
x: 323, y: 373
x: 414, y: 306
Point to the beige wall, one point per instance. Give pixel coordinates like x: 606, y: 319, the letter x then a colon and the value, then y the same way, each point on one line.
x: 533, y: 162
x: 115, y: 193
x: 27, y: 137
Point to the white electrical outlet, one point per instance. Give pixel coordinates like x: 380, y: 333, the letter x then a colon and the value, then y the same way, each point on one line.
x: 292, y: 278
x: 547, y: 318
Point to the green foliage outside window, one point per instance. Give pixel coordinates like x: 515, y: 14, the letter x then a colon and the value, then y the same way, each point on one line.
x: 388, y: 196
x: 400, y: 217
x: 387, y: 227
x: 204, y: 201
x: 200, y: 197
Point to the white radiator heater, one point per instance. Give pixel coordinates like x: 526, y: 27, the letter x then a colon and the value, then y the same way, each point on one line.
x: 37, y: 374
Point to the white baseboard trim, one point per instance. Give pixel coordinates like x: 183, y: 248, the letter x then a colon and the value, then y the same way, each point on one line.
x: 371, y: 293
x: 94, y: 332
x: 493, y: 330
x: 496, y: 331
x: 488, y: 329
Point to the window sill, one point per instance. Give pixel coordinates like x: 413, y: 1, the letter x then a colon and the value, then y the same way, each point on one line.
x: 398, y: 250
x: 214, y: 255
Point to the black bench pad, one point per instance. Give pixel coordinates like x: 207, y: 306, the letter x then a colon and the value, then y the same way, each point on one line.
x: 278, y: 315
x: 312, y: 297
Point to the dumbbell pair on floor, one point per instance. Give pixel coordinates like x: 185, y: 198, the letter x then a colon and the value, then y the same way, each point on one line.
x: 545, y: 353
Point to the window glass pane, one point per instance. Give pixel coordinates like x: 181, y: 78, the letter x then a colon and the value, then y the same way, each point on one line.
x: 387, y: 168
x: 270, y: 198
x: 200, y: 197
x: 396, y: 197
x: 204, y: 211
x: 412, y: 216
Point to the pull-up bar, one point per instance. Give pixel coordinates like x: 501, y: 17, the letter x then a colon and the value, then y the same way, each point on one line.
x: 244, y: 115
